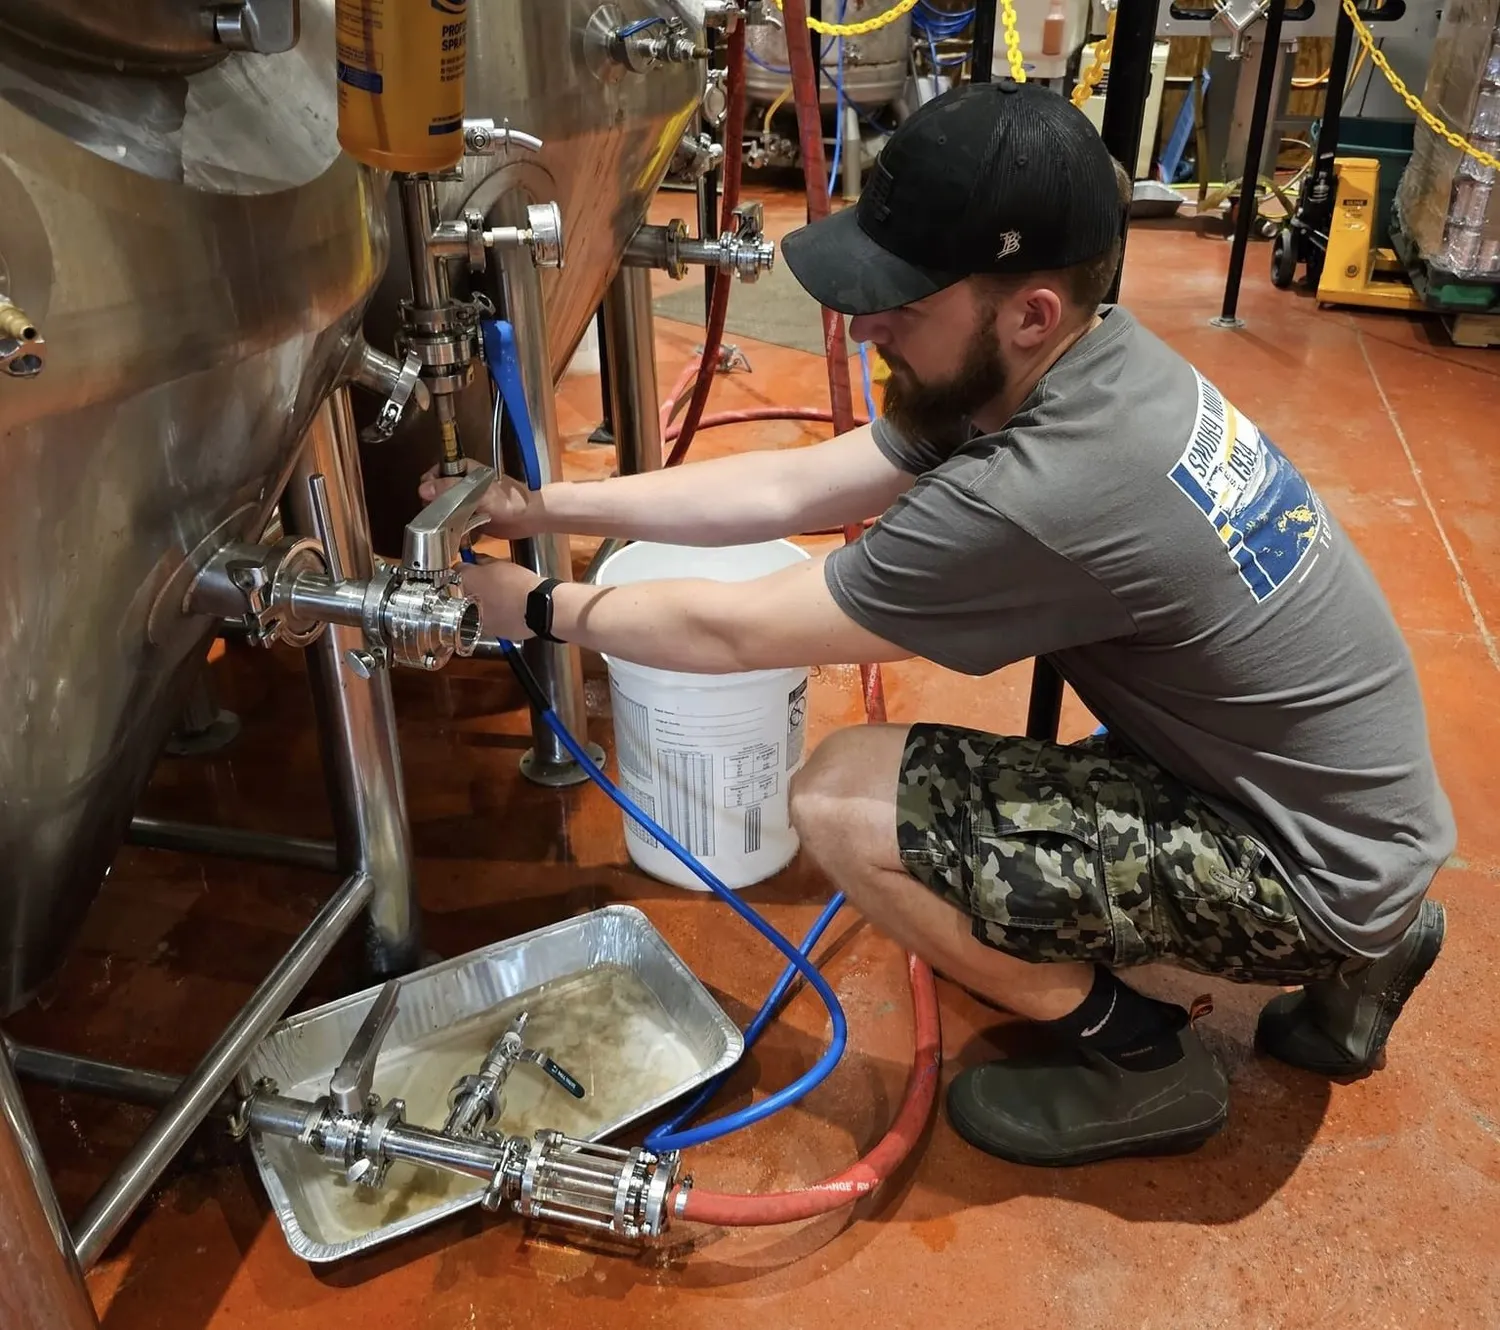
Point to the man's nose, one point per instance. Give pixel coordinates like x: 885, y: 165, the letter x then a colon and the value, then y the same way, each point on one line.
x: 865, y: 327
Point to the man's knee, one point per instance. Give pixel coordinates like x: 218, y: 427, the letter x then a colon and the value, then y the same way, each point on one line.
x: 847, y: 787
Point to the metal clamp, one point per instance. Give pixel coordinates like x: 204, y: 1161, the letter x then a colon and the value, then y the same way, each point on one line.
x: 696, y: 156
x: 399, y: 381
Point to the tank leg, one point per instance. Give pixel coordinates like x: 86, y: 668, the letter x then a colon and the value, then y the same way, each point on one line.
x: 40, y: 1283
x: 356, y: 717
x: 630, y: 329
x: 203, y: 727
x: 558, y: 668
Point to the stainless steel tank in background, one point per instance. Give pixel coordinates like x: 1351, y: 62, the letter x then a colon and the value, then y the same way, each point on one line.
x: 607, y: 142
x: 194, y: 256
x: 875, y: 64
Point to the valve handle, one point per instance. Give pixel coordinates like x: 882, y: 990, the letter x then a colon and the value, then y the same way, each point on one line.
x: 558, y: 1074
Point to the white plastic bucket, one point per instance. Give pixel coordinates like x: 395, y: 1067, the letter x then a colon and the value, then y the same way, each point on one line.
x: 709, y: 756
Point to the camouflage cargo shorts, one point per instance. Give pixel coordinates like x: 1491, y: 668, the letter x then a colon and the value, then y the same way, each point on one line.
x: 1091, y: 853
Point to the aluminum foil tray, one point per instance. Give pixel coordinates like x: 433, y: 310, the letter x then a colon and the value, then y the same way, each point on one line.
x: 607, y: 997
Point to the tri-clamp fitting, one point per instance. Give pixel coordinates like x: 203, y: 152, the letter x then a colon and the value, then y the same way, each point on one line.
x: 1238, y: 17
x: 744, y: 251
x: 469, y: 238
x: 414, y: 615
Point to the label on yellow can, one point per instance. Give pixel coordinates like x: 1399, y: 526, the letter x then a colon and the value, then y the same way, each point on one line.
x: 401, y: 82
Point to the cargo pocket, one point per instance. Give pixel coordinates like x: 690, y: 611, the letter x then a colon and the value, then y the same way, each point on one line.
x: 1036, y: 879
x: 1236, y: 917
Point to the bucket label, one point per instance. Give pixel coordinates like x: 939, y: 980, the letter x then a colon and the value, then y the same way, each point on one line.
x: 646, y: 802
x: 796, y: 725
x: 633, y: 735
x: 686, y: 782
x: 747, y: 792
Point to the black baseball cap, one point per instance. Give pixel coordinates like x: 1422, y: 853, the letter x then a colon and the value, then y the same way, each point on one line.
x: 999, y: 177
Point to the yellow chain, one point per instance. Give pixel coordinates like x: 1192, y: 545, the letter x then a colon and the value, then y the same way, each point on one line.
x: 1377, y: 58
x: 1012, y: 41
x: 1095, y: 71
x: 859, y: 29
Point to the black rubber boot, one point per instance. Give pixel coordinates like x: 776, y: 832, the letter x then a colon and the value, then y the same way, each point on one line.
x: 1338, y: 1027
x: 1077, y: 1107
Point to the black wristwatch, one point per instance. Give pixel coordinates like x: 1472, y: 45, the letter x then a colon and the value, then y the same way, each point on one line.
x: 539, y: 609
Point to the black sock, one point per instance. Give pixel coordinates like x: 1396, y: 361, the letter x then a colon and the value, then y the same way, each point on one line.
x: 1132, y: 1030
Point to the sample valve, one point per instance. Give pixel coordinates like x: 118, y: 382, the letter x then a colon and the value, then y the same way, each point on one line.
x: 743, y: 251
x: 475, y: 1100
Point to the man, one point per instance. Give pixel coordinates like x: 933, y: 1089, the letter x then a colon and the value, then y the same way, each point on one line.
x: 1056, y: 482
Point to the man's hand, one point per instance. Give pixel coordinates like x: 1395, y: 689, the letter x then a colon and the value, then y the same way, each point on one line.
x: 501, y: 589
x: 511, y: 510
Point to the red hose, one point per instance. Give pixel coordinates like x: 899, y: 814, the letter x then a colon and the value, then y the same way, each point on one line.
x: 785, y: 1207
x: 713, y: 333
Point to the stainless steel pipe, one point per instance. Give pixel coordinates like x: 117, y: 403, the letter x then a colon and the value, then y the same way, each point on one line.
x: 276, y: 1115
x: 233, y: 843
x: 43, y: 1286
x: 108, y: 1080
x: 357, y: 716
x: 558, y: 668
x: 634, y: 393
x: 128, y: 1185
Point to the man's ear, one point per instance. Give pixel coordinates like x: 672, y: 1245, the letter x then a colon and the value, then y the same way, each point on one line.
x: 1037, y: 314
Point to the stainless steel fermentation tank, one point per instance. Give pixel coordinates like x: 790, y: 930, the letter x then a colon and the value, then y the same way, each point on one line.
x: 194, y: 256
x: 185, y: 263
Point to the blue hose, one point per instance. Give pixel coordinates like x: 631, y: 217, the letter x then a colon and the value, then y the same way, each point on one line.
x: 500, y: 357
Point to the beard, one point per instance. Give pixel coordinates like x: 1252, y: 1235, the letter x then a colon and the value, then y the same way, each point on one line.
x: 939, y: 413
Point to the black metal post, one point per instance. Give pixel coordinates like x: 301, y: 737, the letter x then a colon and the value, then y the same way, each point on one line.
x: 1125, y: 97
x: 605, y: 431
x: 1124, y: 113
x: 1314, y: 213
x: 1260, y: 114
x: 982, y: 41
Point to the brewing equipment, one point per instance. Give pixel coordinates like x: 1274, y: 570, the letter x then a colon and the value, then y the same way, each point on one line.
x: 186, y: 260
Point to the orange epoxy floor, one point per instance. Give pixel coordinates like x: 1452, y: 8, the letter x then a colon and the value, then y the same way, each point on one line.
x: 1368, y: 1204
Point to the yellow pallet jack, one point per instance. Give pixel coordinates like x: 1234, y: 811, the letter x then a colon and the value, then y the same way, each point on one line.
x: 1356, y: 271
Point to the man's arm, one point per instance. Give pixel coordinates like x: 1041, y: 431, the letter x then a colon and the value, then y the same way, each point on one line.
x: 735, y: 500
x: 785, y: 619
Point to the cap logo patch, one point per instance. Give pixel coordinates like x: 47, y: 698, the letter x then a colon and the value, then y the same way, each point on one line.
x: 1010, y: 242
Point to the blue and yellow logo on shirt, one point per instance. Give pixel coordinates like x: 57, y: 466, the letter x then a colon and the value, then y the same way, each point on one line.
x: 1260, y: 505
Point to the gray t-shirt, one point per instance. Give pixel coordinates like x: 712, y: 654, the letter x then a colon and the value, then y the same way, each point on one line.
x: 1135, y: 529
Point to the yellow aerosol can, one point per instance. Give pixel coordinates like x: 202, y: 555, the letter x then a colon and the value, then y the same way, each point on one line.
x: 401, y: 82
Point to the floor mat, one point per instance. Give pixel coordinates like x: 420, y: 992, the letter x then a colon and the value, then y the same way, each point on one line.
x: 774, y: 309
